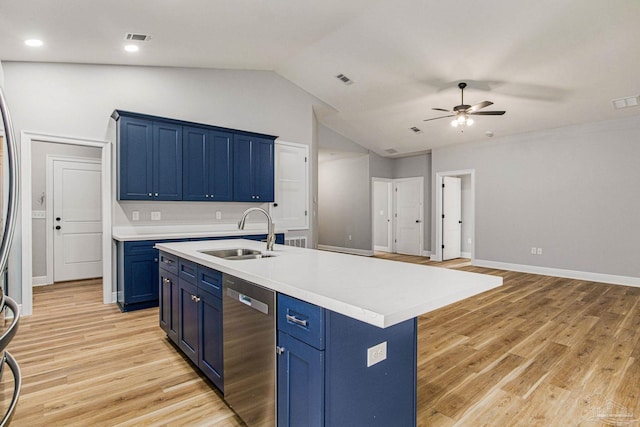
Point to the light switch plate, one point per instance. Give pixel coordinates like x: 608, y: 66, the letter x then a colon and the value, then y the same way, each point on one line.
x: 155, y: 216
x: 38, y: 214
x: 376, y: 354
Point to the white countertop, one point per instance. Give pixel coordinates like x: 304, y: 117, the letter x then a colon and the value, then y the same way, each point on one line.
x: 159, y: 232
x: 376, y: 291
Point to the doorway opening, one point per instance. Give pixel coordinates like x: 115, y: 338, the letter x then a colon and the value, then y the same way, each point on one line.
x: 464, y: 218
x: 398, y: 213
x: 28, y: 141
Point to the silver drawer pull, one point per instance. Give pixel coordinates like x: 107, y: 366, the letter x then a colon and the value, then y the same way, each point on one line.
x: 297, y: 321
x: 167, y: 261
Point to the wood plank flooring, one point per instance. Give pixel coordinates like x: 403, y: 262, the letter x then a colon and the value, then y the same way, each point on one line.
x: 538, y: 351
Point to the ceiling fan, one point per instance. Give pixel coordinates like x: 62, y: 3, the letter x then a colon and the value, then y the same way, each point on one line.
x: 463, y: 111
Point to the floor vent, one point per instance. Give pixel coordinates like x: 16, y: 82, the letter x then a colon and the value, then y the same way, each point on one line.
x: 136, y: 37
x: 344, y: 79
x: 298, y: 242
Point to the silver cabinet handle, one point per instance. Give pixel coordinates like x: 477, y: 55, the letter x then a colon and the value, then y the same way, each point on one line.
x: 156, y: 194
x: 297, y: 321
x: 165, y: 280
x: 150, y: 195
x: 167, y: 261
x: 279, y: 350
x: 197, y: 299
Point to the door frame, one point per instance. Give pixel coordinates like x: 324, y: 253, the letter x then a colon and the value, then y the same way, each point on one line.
x: 395, y: 213
x: 51, y: 159
x: 26, y: 250
x: 436, y: 255
x: 390, y: 223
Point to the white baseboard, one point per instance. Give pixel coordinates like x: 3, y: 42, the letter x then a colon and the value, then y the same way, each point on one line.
x: 352, y: 251
x: 426, y: 253
x: 39, y: 281
x: 381, y: 248
x: 114, y: 297
x: 558, y: 272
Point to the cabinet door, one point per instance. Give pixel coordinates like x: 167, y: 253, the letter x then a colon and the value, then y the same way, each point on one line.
x: 242, y: 172
x: 169, y: 304
x: 210, y: 348
x: 263, y: 169
x: 135, y: 158
x: 220, y: 166
x: 194, y: 185
x: 300, y: 383
x: 141, y: 277
x: 188, y: 323
x: 167, y: 161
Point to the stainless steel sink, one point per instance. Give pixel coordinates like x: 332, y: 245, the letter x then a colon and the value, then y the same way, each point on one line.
x: 237, y: 254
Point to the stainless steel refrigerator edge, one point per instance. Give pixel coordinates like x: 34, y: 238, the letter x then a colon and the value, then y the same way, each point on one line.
x: 249, y: 346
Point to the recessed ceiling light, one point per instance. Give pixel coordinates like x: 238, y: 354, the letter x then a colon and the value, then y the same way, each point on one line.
x: 131, y: 48
x: 33, y: 42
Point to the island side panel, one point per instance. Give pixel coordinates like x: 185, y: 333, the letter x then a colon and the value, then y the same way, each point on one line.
x: 383, y: 394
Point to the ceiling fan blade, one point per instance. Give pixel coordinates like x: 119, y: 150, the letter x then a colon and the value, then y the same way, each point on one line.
x: 483, y: 104
x: 441, y: 109
x: 488, y: 113
x: 436, y: 118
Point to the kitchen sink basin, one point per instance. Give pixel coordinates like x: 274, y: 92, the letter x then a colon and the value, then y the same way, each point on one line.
x: 237, y: 254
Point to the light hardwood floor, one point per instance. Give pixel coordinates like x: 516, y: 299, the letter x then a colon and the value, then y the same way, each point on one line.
x: 538, y: 351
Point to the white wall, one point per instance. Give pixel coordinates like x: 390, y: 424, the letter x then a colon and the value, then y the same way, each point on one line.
x: 77, y: 101
x: 572, y: 192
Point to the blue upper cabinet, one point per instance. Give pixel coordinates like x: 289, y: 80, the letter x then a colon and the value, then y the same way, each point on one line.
x: 166, y: 159
x: 150, y: 159
x: 207, y: 160
x: 253, y: 169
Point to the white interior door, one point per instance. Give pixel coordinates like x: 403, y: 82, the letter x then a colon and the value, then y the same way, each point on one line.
x: 451, y: 217
x: 290, y: 207
x: 382, y: 211
x: 77, y: 220
x: 408, y: 215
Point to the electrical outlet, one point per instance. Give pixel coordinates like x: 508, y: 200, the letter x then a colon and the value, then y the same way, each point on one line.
x: 38, y: 214
x: 376, y: 354
x: 135, y: 216
x: 156, y: 216
x: 533, y: 251
x: 539, y: 251
x: 349, y: 236
x: 218, y: 215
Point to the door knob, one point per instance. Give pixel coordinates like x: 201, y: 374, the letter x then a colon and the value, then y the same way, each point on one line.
x: 58, y: 227
x: 418, y: 221
x: 58, y: 218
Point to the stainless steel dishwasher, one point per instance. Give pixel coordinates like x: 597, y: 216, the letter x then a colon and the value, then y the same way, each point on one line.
x: 249, y: 337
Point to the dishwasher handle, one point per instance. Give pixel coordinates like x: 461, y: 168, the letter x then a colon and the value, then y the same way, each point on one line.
x: 248, y: 301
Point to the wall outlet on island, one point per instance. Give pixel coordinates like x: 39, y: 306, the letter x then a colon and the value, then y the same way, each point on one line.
x: 135, y: 216
x: 218, y: 215
x: 156, y: 216
x: 376, y: 354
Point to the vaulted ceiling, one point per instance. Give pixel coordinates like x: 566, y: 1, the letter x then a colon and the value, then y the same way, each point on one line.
x: 548, y: 63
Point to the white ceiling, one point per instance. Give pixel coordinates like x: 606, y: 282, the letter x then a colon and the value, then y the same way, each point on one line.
x: 548, y: 63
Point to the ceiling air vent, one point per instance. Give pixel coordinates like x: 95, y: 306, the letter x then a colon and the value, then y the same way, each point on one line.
x: 391, y: 151
x: 344, y: 79
x: 416, y: 130
x: 137, y: 37
x: 631, y: 101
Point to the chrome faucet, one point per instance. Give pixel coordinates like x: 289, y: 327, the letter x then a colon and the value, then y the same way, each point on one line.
x: 271, y: 237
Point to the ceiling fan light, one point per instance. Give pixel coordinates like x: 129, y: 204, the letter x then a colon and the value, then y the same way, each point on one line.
x: 454, y: 123
x: 461, y: 119
x: 469, y: 121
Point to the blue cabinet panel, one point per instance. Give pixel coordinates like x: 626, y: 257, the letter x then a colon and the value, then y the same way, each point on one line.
x: 188, y: 313
x: 141, y: 279
x: 300, y: 383
x: 210, y: 359
x: 167, y: 161
x: 135, y: 159
x: 194, y: 173
x: 187, y: 271
x: 383, y: 394
x: 301, y: 320
x: 169, y: 313
x: 207, y: 160
x: 253, y: 171
x: 220, y: 169
x: 210, y: 281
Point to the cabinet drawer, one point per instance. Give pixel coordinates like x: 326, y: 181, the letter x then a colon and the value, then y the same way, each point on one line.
x: 187, y: 271
x: 301, y: 320
x: 169, y: 262
x: 138, y: 247
x: 210, y: 281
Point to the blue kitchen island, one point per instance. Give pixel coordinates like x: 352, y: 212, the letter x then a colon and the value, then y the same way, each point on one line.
x: 344, y: 338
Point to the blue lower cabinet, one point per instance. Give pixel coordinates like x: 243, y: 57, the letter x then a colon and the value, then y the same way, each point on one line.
x: 200, y: 319
x: 210, y: 334
x: 300, y: 383
x: 188, y: 309
x: 169, y: 313
x: 137, y: 281
x: 323, y: 373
